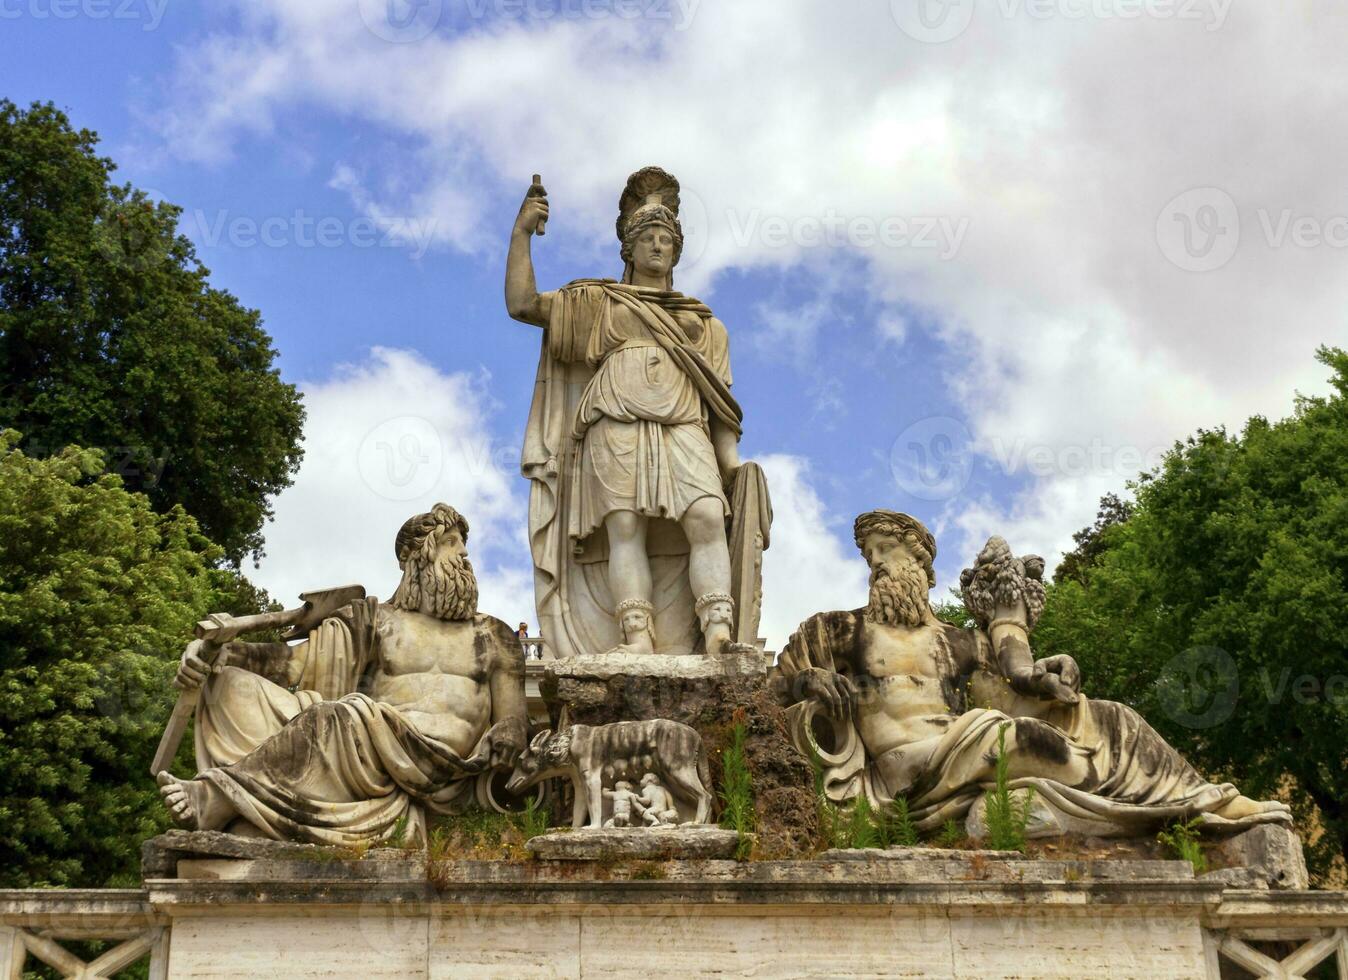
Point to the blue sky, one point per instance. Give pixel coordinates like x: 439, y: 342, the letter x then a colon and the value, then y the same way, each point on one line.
x: 954, y: 269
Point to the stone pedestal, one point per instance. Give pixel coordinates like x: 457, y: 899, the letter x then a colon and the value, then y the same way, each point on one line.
x: 601, y: 688
x: 895, y: 913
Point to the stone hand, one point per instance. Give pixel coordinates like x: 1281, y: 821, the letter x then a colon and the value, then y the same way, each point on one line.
x: 1065, y: 669
x: 532, y: 211
x: 1040, y: 682
x: 501, y: 746
x: 834, y: 691
x: 192, y: 669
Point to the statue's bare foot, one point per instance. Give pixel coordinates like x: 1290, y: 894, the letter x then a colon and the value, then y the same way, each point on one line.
x: 1242, y: 807
x: 194, y: 803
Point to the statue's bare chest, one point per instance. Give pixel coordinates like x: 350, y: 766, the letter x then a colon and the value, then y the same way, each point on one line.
x: 893, y: 651
x: 412, y: 643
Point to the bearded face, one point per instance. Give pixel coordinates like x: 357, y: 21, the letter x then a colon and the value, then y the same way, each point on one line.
x: 898, y: 591
x: 440, y: 585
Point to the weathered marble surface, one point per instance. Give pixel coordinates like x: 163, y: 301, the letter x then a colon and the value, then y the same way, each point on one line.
x: 762, y: 919
x: 631, y: 443
x: 690, y: 842
x: 905, y: 705
x: 384, y: 713
x: 616, y: 756
x: 1273, y: 854
x: 595, y: 689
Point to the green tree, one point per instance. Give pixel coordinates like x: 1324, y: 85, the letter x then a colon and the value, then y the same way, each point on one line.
x: 1092, y: 541
x: 1217, y: 607
x: 112, y: 337
x: 97, y: 594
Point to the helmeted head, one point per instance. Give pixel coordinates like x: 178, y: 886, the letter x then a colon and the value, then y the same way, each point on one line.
x: 901, y: 553
x: 648, y: 225
x: 438, y: 579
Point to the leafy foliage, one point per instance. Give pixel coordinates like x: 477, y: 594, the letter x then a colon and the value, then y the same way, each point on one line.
x: 1216, y: 608
x: 860, y: 825
x: 532, y: 821
x: 737, y: 792
x: 97, y: 594
x: 950, y: 834
x: 111, y: 337
x: 1092, y: 541
x: 1184, y: 841
x: 1008, y: 813
x: 951, y: 610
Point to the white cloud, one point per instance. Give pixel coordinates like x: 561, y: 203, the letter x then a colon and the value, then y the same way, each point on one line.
x: 384, y: 440
x: 1060, y: 139
x: 807, y: 569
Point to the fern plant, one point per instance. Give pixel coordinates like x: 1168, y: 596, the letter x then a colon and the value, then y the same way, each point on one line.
x: 737, y: 793
x: 895, y: 826
x: 1007, y: 815
x: 532, y: 821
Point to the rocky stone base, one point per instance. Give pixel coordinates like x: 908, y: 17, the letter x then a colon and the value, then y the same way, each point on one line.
x: 1268, y: 856
x: 636, y: 844
x: 629, y: 687
x: 159, y: 856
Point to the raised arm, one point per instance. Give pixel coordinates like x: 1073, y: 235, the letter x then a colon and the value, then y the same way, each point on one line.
x: 523, y: 300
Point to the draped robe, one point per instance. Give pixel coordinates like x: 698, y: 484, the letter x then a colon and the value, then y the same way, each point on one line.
x: 621, y: 420
x: 303, y: 755
x: 1136, y: 782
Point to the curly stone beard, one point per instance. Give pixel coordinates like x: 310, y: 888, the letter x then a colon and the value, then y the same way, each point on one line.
x: 448, y: 586
x: 898, y: 594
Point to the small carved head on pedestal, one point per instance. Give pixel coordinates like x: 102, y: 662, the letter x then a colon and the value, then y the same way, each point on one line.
x: 635, y: 619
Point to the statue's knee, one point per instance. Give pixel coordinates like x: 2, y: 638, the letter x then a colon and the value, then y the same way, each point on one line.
x: 623, y: 526
x: 704, y: 521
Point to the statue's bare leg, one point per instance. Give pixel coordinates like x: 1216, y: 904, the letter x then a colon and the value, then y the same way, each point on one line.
x: 709, y: 570
x: 629, y: 571
x: 195, y: 803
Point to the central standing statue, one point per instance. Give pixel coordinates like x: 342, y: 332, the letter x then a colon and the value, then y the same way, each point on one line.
x: 632, y: 442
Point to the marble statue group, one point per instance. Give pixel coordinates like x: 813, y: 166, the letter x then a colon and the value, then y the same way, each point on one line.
x: 647, y: 534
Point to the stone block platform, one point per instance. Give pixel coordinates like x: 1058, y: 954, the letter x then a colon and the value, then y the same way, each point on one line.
x: 951, y: 914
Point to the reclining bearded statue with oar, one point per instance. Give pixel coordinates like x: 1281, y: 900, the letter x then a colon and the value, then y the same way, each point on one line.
x: 386, y: 711
x: 900, y: 704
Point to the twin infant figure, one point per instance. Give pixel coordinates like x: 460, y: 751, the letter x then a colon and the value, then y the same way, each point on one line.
x: 654, y: 803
